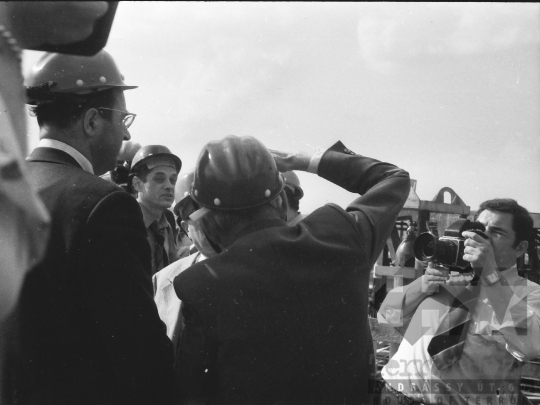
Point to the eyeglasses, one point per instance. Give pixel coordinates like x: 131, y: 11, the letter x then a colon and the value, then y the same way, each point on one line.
x: 128, y: 119
x: 185, y: 208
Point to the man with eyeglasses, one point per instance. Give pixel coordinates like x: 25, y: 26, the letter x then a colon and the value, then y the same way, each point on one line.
x: 86, y: 328
x: 166, y: 300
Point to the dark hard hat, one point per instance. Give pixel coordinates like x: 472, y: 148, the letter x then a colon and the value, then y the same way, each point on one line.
x: 292, y: 182
x: 151, y: 156
x: 182, y: 189
x: 235, y: 173
x: 58, y: 76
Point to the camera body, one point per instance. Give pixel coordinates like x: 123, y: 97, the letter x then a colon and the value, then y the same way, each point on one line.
x: 448, y: 250
x: 121, y: 172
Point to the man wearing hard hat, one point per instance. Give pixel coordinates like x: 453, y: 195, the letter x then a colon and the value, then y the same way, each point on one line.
x: 280, y: 315
x: 88, y: 328
x: 166, y: 300
x: 186, y: 243
x: 153, y: 174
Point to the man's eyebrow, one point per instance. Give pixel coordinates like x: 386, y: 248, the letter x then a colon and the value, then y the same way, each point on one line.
x: 498, y: 229
x: 165, y: 174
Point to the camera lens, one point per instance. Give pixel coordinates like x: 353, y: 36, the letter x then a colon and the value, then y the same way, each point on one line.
x: 428, y: 250
x: 428, y: 247
x: 425, y: 246
x: 446, y: 251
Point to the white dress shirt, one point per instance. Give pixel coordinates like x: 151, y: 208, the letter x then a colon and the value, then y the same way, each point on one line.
x: 74, y: 153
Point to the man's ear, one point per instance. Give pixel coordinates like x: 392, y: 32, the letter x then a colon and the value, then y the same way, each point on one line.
x: 92, y: 122
x: 211, y: 230
x: 137, y: 184
x: 521, y: 248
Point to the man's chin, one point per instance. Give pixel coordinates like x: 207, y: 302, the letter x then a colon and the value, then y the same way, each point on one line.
x: 165, y: 205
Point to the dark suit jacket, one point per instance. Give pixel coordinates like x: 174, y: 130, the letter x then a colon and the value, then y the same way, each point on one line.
x: 88, y: 328
x: 280, y: 316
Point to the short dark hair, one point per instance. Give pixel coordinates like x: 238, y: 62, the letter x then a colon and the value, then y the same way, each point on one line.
x: 142, y: 173
x: 63, y: 113
x: 217, y: 222
x: 522, y: 222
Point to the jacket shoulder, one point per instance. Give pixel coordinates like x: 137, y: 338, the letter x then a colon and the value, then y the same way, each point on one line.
x: 199, y: 280
x: 50, y: 175
x: 174, y: 269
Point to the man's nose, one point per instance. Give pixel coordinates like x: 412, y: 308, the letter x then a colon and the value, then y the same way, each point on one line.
x: 168, y: 184
x: 127, y: 135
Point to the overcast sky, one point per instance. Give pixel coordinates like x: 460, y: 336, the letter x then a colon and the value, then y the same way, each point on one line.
x: 448, y: 91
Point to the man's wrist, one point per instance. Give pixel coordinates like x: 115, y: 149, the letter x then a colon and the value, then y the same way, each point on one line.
x: 313, y: 166
x: 490, y: 278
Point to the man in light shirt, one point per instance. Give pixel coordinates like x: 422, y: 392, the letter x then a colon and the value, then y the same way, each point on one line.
x: 482, y: 361
x: 166, y: 300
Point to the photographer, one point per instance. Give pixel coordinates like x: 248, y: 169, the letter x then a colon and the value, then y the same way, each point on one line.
x: 467, y: 335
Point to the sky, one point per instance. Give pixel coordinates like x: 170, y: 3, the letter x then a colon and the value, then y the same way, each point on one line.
x: 450, y: 92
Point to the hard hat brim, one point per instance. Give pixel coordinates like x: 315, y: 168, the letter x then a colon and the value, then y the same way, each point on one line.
x: 93, y: 89
x: 143, y: 161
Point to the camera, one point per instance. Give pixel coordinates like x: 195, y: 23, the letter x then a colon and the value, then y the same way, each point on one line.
x: 121, y: 172
x: 447, y: 250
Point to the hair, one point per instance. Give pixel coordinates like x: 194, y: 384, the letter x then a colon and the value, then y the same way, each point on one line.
x: 142, y: 173
x: 65, y: 112
x: 522, y: 223
x: 218, y: 222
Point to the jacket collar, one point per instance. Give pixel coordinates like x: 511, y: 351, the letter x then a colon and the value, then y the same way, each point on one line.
x: 51, y: 155
x: 70, y: 150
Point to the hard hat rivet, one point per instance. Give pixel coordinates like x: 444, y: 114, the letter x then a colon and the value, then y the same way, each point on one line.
x: 267, y: 193
x: 80, y: 82
x: 196, y: 193
x: 102, y: 79
x: 217, y: 202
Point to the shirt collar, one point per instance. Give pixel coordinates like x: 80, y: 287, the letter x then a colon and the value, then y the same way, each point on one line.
x: 149, y: 219
x: 511, y: 275
x: 74, y: 153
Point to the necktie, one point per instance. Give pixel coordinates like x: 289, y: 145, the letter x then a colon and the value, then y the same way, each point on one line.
x: 161, y: 258
x: 447, y: 345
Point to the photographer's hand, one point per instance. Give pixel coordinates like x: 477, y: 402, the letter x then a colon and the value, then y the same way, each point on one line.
x: 433, y: 278
x: 479, y: 252
x: 423, y: 287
